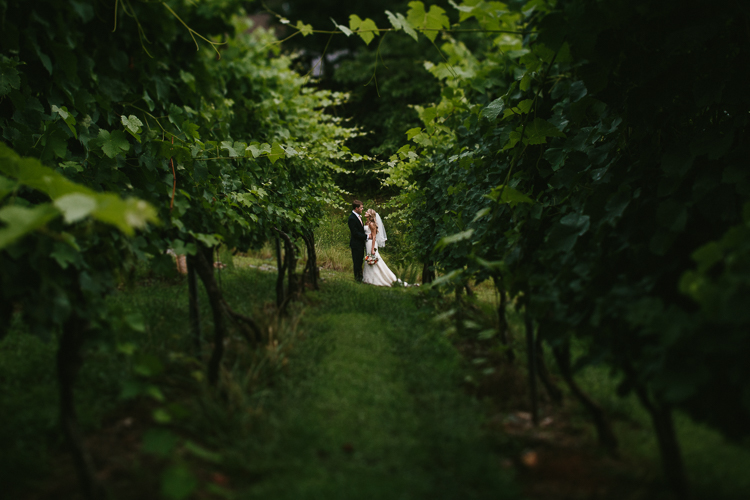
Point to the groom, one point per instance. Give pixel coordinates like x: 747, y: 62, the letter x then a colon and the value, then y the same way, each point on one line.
x: 358, y: 239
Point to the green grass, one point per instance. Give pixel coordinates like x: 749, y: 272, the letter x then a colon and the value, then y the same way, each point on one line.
x: 373, y: 408
x: 362, y: 399
x: 358, y: 395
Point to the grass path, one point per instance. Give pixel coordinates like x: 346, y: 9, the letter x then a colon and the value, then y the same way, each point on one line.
x: 373, y: 409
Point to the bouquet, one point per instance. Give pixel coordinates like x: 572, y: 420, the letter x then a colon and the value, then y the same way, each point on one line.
x: 371, y: 259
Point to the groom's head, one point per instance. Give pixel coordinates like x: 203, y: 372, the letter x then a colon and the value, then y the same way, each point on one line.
x: 357, y: 206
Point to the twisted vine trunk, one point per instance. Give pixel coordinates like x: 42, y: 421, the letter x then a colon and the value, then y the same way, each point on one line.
x: 194, y: 311
x: 6, y: 312
x: 532, y: 360
x: 428, y: 272
x: 69, y: 362
x: 459, y: 316
x: 205, y: 270
x: 503, y: 328
x: 311, y: 269
x: 281, y: 270
x: 606, y: 436
x: 553, y: 391
x: 669, y: 446
x: 290, y: 265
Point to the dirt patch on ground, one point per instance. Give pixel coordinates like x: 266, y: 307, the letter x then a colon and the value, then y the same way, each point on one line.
x: 558, y: 459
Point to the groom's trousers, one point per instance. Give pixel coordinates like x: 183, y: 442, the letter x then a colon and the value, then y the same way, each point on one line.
x: 358, y: 256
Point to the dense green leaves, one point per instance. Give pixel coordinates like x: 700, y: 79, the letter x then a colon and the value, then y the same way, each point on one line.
x: 73, y: 201
x: 609, y: 118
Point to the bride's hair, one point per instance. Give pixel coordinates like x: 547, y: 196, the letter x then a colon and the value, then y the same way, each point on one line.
x: 371, y: 219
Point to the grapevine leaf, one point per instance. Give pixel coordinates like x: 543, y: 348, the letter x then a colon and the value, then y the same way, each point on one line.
x: 493, y: 109
x: 564, y: 235
x: 265, y: 148
x: 276, y: 152
x: 441, y: 71
x: 9, y: 76
x: 411, y: 133
x: 305, y: 29
x: 539, y: 130
x: 395, y: 21
x: 254, y: 150
x: 229, y: 147
x: 429, y: 23
x: 343, y: 29
x: 69, y: 120
x: 521, y: 108
x: 481, y: 214
x: 354, y: 22
x: 555, y: 157
x: 57, y: 143
x: 366, y: 29
x: 44, y: 58
x: 72, y: 165
x: 6, y: 186
x: 21, y: 220
x: 509, y: 195
x: 525, y: 81
x: 65, y: 254
x: 464, y: 9
x: 210, y: 240
x: 190, y: 129
x: 399, y: 22
x: 75, y: 206
x: 423, y: 139
x: 132, y: 123
x: 455, y: 238
x: 149, y: 102
x: 113, y: 143
x: 577, y: 91
x: 127, y: 215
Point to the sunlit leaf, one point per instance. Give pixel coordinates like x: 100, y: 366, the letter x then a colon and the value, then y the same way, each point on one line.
x: 428, y: 22
x: 75, y: 206
x: 366, y: 29
x: 305, y: 29
x: 132, y: 123
x: 343, y: 29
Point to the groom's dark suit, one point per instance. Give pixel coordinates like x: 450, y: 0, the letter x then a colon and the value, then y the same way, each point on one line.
x: 357, y: 243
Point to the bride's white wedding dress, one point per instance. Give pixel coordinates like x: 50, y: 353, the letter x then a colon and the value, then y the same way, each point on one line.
x: 378, y: 273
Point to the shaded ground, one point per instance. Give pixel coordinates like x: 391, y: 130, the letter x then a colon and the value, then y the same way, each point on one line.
x: 375, y: 403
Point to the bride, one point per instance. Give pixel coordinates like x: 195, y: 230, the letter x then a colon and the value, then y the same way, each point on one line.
x: 376, y: 272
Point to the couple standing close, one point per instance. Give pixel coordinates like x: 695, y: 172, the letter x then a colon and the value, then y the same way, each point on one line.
x: 367, y: 238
